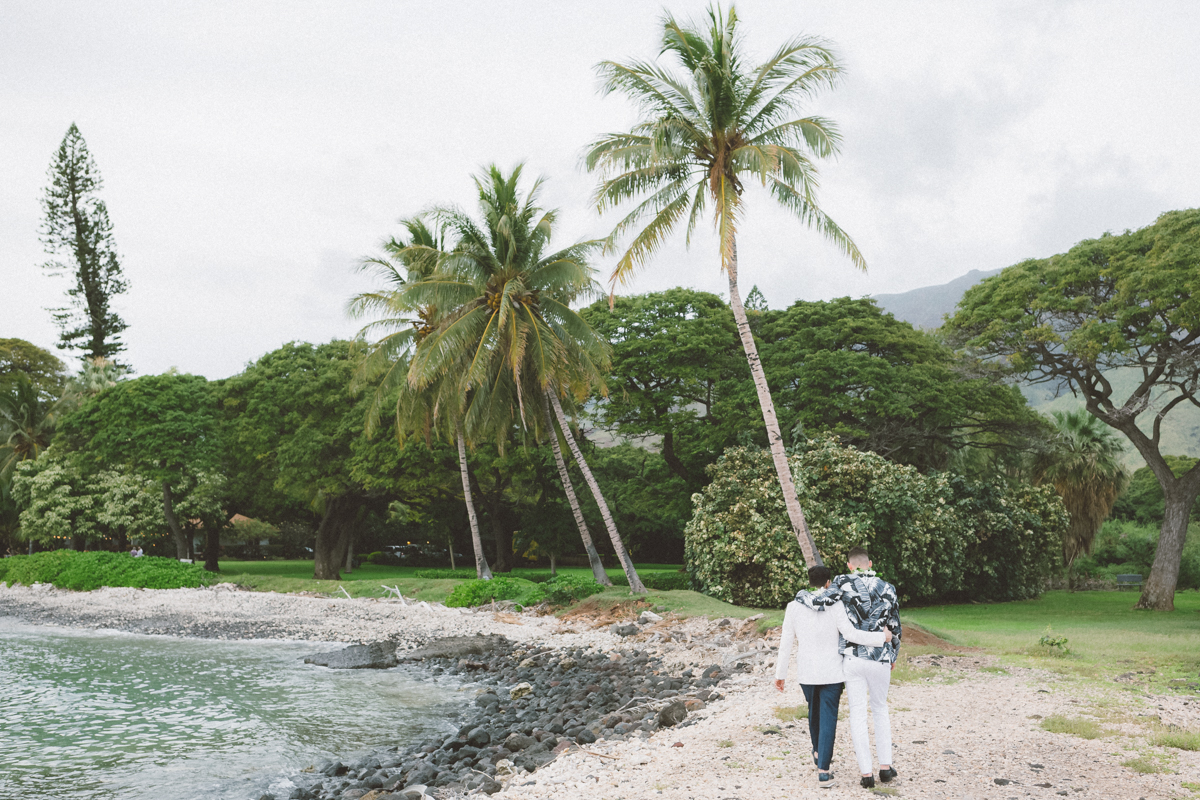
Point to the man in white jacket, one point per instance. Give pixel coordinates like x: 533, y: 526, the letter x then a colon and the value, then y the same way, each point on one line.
x: 816, y: 627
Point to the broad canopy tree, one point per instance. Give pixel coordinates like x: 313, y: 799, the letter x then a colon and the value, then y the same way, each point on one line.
x: 43, y: 369
x: 848, y: 368
x: 677, y: 374
x: 292, y: 423
x: 1127, y: 302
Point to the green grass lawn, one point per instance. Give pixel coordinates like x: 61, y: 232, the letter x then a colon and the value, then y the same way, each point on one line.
x: 368, y: 580
x: 1105, y: 636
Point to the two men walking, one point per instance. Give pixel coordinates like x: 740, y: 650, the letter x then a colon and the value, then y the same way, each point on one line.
x: 848, y: 630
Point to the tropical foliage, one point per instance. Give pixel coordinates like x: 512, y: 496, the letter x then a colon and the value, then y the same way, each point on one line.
x: 496, y: 343
x: 1082, y: 464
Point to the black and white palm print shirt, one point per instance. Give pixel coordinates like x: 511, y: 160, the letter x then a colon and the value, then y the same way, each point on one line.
x: 871, y: 604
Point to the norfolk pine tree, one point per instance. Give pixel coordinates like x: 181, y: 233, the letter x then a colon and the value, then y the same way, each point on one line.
x: 77, y: 230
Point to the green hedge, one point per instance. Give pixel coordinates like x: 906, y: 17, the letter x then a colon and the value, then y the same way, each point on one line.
x: 441, y: 574
x: 566, y: 589
x: 662, y: 581
x: 934, y: 536
x: 478, y: 593
x: 69, y: 569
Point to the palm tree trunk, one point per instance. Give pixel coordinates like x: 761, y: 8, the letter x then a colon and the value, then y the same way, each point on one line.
x: 774, y: 438
x: 635, y: 583
x: 593, y: 557
x: 481, y: 566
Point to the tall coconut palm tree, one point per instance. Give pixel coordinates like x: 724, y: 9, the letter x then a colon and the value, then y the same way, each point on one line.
x: 706, y: 131
x: 1082, y: 463
x: 506, y: 329
x: 386, y: 362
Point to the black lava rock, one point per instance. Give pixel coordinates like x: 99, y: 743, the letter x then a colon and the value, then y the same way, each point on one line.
x: 377, y: 655
x: 673, y: 714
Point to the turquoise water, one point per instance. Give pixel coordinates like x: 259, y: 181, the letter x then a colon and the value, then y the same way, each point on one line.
x: 99, y: 715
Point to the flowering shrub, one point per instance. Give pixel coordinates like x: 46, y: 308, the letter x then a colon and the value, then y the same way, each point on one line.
x: 934, y: 536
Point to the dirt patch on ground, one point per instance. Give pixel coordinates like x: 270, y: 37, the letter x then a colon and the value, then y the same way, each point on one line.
x: 920, y: 637
x: 597, y: 614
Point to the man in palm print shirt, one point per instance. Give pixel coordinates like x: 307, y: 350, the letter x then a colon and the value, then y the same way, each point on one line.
x: 871, y: 605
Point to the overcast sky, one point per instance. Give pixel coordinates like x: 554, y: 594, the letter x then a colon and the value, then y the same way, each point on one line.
x: 254, y: 152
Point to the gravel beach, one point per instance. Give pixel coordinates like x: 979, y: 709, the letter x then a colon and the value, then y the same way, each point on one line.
x: 675, y: 709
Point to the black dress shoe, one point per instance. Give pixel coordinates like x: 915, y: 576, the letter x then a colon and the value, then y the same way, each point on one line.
x: 868, y: 782
x: 886, y: 775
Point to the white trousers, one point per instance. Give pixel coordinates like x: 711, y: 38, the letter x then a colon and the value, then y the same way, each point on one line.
x: 868, y: 679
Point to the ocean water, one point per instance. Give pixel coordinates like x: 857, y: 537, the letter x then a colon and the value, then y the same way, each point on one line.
x: 100, y: 715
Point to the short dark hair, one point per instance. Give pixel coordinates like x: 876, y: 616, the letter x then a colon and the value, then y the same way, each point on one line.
x: 819, y: 576
x: 857, y: 553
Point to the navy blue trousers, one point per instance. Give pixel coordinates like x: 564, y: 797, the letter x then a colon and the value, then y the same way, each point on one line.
x: 822, y: 702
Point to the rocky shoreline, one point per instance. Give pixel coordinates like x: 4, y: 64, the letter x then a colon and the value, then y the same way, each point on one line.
x: 534, y: 704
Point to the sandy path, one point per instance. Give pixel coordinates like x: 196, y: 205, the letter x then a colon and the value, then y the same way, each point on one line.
x: 956, y: 732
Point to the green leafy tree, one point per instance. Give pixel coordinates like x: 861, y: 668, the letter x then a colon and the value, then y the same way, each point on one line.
x: 847, y: 368
x: 163, y: 427
x: 128, y: 507
x: 76, y: 229
x: 291, y: 423
x: 652, y: 503
x: 44, y: 370
x: 61, y: 500
x: 204, y: 508
x: 1082, y: 463
x: 677, y: 374
x: 1128, y: 302
x: 706, y: 130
